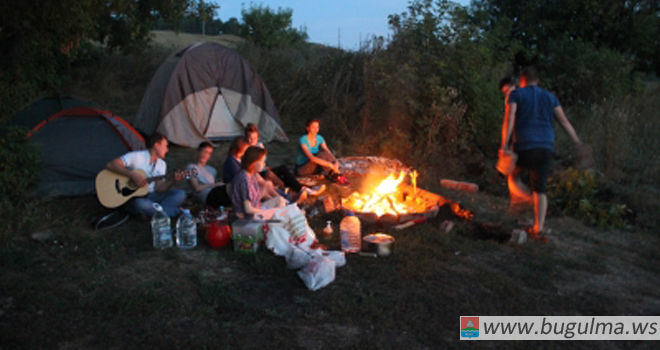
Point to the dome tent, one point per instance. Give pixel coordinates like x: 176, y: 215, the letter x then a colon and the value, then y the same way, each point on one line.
x: 204, y: 92
x: 75, y: 143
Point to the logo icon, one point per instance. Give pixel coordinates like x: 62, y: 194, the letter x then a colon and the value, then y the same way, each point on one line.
x: 469, y: 326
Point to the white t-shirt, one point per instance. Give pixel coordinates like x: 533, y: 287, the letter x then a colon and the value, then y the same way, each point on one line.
x: 205, y: 175
x: 140, y: 160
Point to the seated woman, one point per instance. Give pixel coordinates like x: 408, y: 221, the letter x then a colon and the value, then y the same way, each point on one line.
x: 246, y: 196
x: 206, y: 189
x: 232, y: 167
x: 280, y: 176
x: 314, y: 156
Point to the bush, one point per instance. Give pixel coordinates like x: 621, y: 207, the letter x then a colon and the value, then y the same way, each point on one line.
x: 19, y: 171
x: 577, y: 193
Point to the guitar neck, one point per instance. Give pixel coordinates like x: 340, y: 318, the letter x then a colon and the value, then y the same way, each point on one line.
x: 187, y: 173
x: 155, y: 178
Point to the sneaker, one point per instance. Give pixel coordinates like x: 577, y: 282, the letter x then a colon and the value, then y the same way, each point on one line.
x: 111, y: 220
x: 342, y: 180
x: 539, y: 236
x: 338, y: 179
x: 314, y: 191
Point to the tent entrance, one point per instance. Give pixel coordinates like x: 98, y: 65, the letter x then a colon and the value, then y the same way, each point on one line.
x: 222, y: 124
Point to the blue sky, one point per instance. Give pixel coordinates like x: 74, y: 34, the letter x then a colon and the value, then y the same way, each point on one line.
x: 351, y: 20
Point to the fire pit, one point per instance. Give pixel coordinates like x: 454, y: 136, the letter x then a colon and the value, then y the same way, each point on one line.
x: 387, y: 192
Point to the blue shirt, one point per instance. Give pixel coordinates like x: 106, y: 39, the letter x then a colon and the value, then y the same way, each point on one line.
x: 302, y: 158
x: 230, y: 169
x: 534, y: 118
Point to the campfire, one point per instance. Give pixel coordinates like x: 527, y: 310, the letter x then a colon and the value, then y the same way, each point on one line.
x: 389, y: 196
x: 389, y: 189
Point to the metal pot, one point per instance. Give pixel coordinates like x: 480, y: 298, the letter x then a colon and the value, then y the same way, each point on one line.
x: 378, y: 243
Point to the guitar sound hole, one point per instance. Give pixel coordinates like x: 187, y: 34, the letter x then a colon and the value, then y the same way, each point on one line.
x: 123, y: 191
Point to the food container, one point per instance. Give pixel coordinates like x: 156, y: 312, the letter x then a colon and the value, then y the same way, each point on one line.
x: 247, y: 234
x: 378, y: 243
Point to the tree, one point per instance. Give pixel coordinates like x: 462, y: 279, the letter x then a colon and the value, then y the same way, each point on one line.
x: 205, y: 12
x: 630, y: 27
x: 232, y: 26
x: 40, y: 38
x: 270, y: 29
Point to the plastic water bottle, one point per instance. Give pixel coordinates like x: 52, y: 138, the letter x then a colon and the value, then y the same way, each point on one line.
x: 349, y: 231
x: 186, y: 230
x: 161, y: 229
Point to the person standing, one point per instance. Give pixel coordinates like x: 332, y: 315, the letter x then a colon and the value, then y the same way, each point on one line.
x: 151, y: 162
x: 531, y: 111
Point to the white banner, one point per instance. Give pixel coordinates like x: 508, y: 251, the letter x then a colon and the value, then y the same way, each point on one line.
x: 559, y: 328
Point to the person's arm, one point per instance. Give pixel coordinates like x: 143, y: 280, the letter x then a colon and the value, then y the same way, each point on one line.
x: 566, y: 125
x: 510, y: 122
x: 117, y: 165
x: 314, y: 159
x: 167, y: 183
x: 505, y: 125
x: 199, y: 187
x: 264, y: 213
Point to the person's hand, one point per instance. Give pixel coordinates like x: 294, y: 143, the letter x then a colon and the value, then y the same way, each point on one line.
x: 138, y: 179
x: 335, y: 167
x: 179, y: 175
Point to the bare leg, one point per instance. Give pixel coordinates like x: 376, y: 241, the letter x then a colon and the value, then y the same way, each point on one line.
x: 520, y: 197
x: 540, y: 210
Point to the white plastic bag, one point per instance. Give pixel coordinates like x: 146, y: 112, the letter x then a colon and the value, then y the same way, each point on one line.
x: 335, y: 255
x: 318, y: 273
x: 297, y: 258
x: 294, y: 221
x: 277, y: 240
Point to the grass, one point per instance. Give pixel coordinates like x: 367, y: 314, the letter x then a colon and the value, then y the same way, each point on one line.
x: 110, y: 289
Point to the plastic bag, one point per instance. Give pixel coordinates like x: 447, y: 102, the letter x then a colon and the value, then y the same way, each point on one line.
x: 295, y: 223
x: 277, y: 240
x: 335, y: 255
x: 298, y: 258
x: 318, y: 273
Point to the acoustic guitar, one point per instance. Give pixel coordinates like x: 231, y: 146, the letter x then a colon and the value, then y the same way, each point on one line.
x: 113, y: 189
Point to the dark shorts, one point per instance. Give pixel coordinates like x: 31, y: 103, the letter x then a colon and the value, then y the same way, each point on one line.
x: 538, y: 162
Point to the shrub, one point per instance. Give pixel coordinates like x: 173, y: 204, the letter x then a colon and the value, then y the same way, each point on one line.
x: 19, y: 170
x: 578, y: 193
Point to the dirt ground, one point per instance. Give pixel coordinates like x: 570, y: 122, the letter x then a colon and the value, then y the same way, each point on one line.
x: 86, y: 289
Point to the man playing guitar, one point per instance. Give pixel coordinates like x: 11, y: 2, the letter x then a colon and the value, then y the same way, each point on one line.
x: 152, y: 163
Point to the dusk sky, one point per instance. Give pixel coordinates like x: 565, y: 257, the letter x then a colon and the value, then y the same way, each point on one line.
x: 351, y: 19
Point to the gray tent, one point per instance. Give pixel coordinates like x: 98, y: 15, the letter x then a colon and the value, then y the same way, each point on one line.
x: 207, y: 92
x: 75, y: 143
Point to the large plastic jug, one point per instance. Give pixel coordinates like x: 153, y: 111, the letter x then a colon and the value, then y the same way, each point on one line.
x: 186, y: 230
x: 161, y: 229
x: 349, y: 231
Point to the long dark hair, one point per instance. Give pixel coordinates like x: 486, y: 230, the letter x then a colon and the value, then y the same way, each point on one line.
x: 252, y: 154
x: 238, y: 143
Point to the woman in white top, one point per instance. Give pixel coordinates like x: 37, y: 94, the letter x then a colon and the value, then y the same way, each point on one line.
x: 206, y: 189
